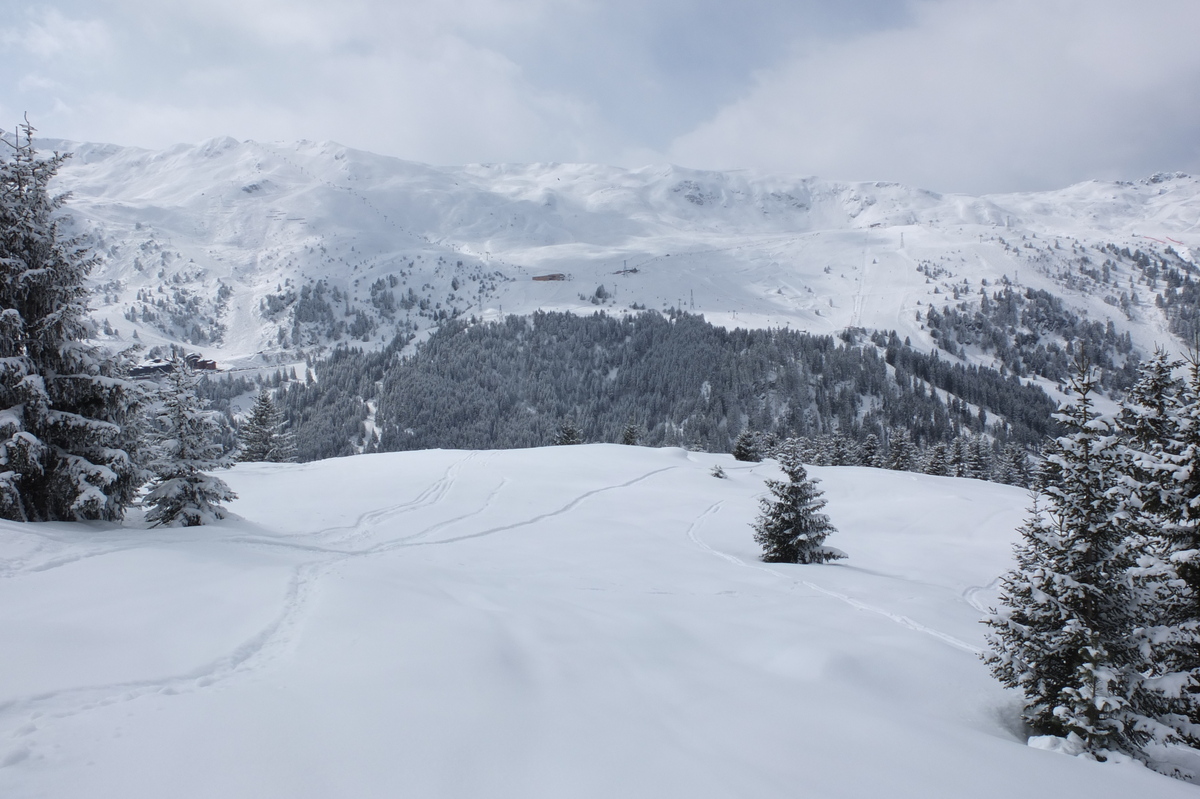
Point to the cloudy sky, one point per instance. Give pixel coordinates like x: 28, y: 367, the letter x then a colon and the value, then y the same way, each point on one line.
x: 953, y: 95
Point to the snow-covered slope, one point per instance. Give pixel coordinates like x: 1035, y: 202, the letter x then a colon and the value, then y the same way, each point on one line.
x: 214, y: 244
x: 570, y: 622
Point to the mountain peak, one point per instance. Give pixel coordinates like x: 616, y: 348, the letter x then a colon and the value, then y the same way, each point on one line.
x: 213, y: 244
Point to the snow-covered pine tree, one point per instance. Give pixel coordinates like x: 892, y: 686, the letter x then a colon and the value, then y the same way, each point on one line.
x: 902, y: 452
x: 817, y: 453
x: 1062, y: 635
x: 745, y: 448
x: 264, y: 436
x: 841, y: 452
x: 979, y: 458
x: 790, y: 527
x: 1161, y: 420
x: 631, y: 435
x: 568, y: 434
x: 68, y: 416
x: 960, y: 457
x: 1012, y: 467
x: 184, y: 449
x: 1148, y: 419
x: 936, y: 460
x: 869, y: 452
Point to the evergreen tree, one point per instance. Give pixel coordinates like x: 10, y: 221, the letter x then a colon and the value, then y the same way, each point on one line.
x: 263, y: 434
x: 806, y: 449
x: 936, y: 460
x: 1013, y: 467
x: 568, y: 434
x: 821, y: 451
x: 68, y: 415
x: 631, y: 435
x: 506, y: 384
x: 902, y: 452
x: 979, y: 458
x: 183, y: 437
x: 790, y: 527
x: 745, y: 448
x: 841, y: 453
x: 1161, y: 420
x: 960, y: 460
x: 869, y: 452
x: 1062, y: 635
x: 1148, y: 418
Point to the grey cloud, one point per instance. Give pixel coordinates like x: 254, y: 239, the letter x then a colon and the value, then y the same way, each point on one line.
x: 978, y: 95
x: 955, y: 95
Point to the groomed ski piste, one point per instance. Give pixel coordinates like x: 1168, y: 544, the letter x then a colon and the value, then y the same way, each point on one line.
x: 586, y: 621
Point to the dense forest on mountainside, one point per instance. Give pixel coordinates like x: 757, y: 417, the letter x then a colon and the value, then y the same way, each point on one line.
x: 1031, y: 332
x: 679, y: 379
x: 1172, y: 281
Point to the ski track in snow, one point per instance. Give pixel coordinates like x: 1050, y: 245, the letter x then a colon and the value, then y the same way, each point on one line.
x: 252, y: 655
x: 21, y: 568
x: 551, y: 514
x: 971, y: 594
x: 430, y: 496
x: 902, y: 620
x: 25, y: 715
x: 905, y: 621
x: 366, y: 521
x: 414, y: 538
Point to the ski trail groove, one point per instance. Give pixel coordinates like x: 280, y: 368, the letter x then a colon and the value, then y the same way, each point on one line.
x: 712, y: 510
x: 905, y: 621
x: 431, y: 495
x: 542, y: 517
x: 902, y: 620
x: 248, y: 657
x: 141, y: 541
x: 23, y: 716
x: 412, y: 539
x: 971, y: 594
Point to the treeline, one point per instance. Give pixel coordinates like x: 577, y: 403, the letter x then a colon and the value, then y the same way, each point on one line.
x: 680, y: 380
x: 973, y: 456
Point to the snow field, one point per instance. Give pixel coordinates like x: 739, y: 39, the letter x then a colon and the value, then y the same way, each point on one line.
x: 564, y: 622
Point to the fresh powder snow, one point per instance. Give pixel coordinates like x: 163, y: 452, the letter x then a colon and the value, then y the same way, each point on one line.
x: 577, y: 621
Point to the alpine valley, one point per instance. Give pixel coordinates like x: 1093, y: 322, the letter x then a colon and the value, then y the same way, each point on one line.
x: 242, y: 250
x: 269, y: 255
x: 460, y: 612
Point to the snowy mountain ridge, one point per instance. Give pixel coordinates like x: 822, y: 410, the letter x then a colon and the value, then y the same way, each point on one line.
x: 251, y: 252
